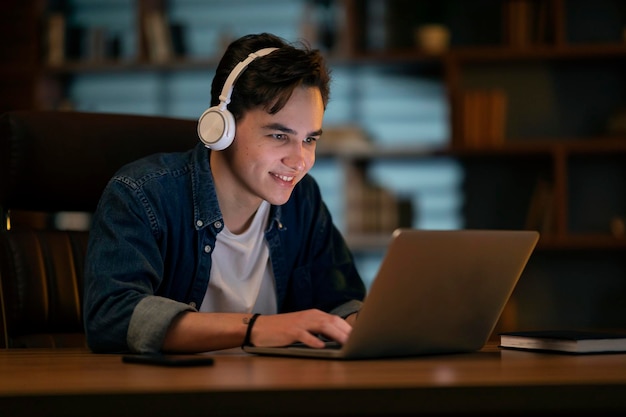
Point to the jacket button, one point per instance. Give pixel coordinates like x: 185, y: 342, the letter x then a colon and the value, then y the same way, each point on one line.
x: 218, y: 224
x: 192, y: 304
x: 199, y: 223
x: 207, y: 249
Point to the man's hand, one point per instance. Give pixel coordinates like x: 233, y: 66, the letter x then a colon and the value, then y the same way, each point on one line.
x: 301, y: 326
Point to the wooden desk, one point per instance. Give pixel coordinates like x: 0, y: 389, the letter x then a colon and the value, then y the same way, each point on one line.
x: 78, y: 383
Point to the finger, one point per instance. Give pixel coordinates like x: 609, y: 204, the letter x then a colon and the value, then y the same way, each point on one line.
x: 336, y: 329
x: 311, y: 340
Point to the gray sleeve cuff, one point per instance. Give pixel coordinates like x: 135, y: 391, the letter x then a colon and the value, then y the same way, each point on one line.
x: 348, y: 308
x: 150, y: 322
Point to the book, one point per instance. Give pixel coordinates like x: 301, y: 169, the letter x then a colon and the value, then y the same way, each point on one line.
x: 541, y: 207
x: 56, y: 39
x: 482, y: 118
x: 158, y: 37
x: 569, y: 341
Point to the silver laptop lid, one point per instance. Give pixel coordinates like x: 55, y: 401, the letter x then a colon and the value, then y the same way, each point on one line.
x: 439, y: 291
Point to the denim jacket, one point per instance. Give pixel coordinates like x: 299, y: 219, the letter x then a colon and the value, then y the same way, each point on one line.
x: 151, y: 240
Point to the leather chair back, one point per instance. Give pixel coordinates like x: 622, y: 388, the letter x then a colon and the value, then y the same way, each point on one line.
x: 52, y: 162
x: 42, y: 284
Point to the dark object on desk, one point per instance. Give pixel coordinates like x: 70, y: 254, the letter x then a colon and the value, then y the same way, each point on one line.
x: 169, y: 360
x: 436, y: 292
x: 567, y: 341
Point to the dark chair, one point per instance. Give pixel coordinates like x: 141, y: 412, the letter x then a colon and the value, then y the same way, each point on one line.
x: 51, y: 163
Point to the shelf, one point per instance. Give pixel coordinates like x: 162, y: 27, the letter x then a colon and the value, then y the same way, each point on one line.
x: 520, y: 147
x: 582, y: 242
x: 596, y: 145
x: 547, y: 242
x: 397, y: 57
x: 538, y: 52
x: 78, y: 67
x: 478, y: 54
x: 377, y: 152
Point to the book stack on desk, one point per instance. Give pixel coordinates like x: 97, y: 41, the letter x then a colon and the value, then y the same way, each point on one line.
x: 567, y: 341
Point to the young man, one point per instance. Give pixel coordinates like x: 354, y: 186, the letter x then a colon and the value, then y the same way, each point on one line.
x: 229, y: 243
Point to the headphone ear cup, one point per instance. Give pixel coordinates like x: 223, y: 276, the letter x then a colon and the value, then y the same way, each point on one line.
x: 216, y: 128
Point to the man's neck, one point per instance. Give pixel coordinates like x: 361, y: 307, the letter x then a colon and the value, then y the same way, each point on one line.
x: 238, y: 207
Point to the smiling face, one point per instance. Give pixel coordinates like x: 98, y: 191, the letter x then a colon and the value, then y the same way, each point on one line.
x: 271, y: 153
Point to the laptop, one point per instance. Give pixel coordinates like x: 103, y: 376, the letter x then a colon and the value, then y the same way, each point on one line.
x: 436, y: 292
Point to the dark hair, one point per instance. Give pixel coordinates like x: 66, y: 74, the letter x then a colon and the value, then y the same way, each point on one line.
x: 269, y: 81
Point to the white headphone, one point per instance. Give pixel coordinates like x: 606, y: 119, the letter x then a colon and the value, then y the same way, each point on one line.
x: 216, y: 126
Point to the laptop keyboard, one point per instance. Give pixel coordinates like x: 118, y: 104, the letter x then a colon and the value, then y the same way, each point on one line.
x: 327, y: 345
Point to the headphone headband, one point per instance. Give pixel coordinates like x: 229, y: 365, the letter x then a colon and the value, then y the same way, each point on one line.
x: 227, y: 90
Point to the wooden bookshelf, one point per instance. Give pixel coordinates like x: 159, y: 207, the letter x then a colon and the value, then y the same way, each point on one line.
x: 583, y: 163
x: 582, y: 245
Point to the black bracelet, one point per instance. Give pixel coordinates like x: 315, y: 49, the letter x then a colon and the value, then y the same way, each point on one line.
x: 250, y: 322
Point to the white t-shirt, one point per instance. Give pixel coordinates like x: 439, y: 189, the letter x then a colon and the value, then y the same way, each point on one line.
x: 242, y: 280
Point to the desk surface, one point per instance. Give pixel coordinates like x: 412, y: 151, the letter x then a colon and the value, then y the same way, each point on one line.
x: 76, y: 382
